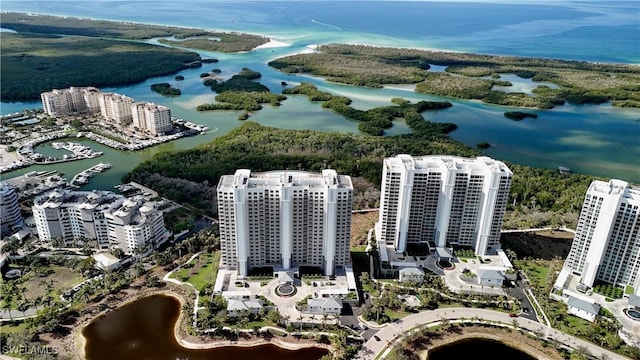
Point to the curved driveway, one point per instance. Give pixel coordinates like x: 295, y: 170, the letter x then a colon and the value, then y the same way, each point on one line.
x: 394, y: 331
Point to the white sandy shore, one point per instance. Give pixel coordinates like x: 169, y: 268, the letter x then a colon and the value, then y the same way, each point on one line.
x: 272, y: 44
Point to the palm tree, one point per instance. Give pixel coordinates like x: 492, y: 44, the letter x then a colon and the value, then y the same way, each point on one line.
x: 285, y: 319
x: 48, y: 285
x: 23, y: 306
x: 6, y: 305
x: 23, y: 291
x: 324, y: 319
x: 300, y: 317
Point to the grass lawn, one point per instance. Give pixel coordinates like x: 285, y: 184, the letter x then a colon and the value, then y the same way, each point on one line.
x: 396, y: 314
x: 63, y: 278
x: 537, y: 272
x: 260, y: 324
x: 203, y: 271
x: 14, y: 327
x: 576, y: 325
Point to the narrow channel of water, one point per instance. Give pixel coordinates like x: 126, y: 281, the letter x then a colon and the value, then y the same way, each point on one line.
x: 143, y: 329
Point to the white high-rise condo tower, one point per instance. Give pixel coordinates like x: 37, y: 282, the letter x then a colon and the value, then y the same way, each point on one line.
x: 9, y: 209
x: 442, y: 201
x: 285, y: 219
x: 606, y: 247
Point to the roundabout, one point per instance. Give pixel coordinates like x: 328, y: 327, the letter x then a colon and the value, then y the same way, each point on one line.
x: 285, y: 290
x: 445, y: 264
x: 633, y: 314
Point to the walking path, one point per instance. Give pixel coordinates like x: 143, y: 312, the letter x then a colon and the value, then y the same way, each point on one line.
x: 168, y: 278
x: 396, y: 331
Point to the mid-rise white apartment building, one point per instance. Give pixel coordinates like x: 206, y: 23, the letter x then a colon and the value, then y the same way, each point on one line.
x: 606, y: 246
x: 116, y: 107
x: 9, y: 209
x: 155, y: 119
x: 442, y: 201
x: 285, y: 219
x: 105, y: 219
x: 73, y: 100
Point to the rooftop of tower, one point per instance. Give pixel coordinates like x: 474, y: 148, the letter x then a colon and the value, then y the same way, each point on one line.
x: 404, y: 162
x: 245, y: 178
x: 615, y: 187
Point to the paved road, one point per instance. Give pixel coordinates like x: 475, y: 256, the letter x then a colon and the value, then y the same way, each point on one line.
x: 393, y: 331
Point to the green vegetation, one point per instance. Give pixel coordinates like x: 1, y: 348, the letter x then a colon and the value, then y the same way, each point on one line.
x: 240, y: 92
x: 238, y: 100
x: 223, y: 42
x: 470, y: 76
x: 465, y: 253
x: 38, y: 59
x: 608, y: 291
x: 191, y: 175
x: 519, y: 115
x: 374, y: 121
x: 33, y: 63
x: 200, y: 272
x: 187, y: 37
x: 47, y: 24
x: 165, y: 89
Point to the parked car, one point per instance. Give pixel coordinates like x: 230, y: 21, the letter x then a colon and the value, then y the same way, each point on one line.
x: 513, y: 315
x: 376, y: 337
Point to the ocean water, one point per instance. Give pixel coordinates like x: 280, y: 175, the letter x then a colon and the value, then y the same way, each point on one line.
x: 606, y: 31
x: 597, y: 140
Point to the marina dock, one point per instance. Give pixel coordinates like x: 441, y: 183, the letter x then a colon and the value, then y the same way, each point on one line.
x: 82, y: 178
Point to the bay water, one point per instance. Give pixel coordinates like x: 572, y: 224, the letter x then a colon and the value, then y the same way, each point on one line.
x: 599, y: 140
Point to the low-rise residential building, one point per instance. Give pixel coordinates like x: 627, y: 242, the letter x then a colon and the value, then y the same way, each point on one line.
x: 583, y: 308
x: 237, y: 307
x: 412, y: 274
x: 101, y: 219
x: 330, y: 305
x: 634, y: 302
x: 106, y: 261
x: 490, y: 277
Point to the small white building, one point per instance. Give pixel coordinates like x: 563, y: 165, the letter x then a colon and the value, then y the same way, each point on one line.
x: 490, y: 277
x: 106, y: 261
x: 582, y: 308
x: 412, y: 274
x: 243, y: 307
x: 634, y: 301
x: 285, y: 277
x: 325, y: 305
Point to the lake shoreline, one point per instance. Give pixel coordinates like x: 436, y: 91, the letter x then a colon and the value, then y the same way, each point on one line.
x: 186, y: 341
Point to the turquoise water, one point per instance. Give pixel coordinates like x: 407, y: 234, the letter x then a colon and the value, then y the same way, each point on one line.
x: 597, y: 140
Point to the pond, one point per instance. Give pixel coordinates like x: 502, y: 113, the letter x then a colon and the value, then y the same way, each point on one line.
x: 143, y: 329
x: 482, y: 348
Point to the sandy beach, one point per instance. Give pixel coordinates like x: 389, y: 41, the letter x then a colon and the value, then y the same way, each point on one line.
x: 272, y: 44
